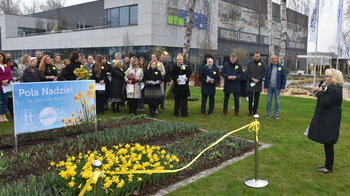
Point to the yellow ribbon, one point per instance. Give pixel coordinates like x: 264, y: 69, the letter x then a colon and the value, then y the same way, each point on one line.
x: 253, y: 126
x: 92, y: 180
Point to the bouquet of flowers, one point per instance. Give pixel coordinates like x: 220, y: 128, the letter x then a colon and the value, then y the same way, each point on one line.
x: 81, y: 73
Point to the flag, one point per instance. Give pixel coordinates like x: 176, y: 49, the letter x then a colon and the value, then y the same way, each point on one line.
x: 340, y: 13
x: 313, y: 22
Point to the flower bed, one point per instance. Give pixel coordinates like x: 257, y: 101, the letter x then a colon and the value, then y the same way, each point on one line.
x: 181, y: 142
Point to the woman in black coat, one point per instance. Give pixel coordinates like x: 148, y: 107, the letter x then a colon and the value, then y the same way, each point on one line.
x: 325, y: 124
x: 209, y: 77
x: 180, y: 74
x: 47, y: 71
x: 100, y: 76
x: 153, y: 94
x: 117, y: 84
x: 68, y: 71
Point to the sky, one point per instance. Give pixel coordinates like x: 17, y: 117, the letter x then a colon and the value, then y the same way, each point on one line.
x: 327, y: 24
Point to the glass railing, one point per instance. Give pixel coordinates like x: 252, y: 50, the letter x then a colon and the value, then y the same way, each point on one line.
x: 23, y: 34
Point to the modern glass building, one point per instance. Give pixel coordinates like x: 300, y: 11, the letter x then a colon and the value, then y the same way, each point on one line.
x: 135, y: 27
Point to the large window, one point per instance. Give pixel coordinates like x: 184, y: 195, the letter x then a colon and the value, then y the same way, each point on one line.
x: 122, y: 16
x: 23, y: 31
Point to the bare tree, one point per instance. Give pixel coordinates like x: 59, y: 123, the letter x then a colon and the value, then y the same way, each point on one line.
x: 39, y: 23
x: 9, y: 7
x: 31, y: 8
x: 52, y: 4
x: 188, y: 34
x: 127, y: 42
x: 283, y: 39
x: 270, y: 27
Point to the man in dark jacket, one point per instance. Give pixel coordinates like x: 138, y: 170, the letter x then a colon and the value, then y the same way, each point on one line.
x: 168, y: 66
x: 256, y: 71
x: 232, y: 72
x: 275, y: 83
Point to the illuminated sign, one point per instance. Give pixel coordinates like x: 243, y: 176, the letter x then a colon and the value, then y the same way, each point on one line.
x: 178, y: 17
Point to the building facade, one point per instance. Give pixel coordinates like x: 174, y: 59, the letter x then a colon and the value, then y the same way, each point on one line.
x: 136, y: 26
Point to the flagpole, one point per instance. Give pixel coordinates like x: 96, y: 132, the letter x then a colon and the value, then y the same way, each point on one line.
x: 316, y: 44
x: 339, y: 33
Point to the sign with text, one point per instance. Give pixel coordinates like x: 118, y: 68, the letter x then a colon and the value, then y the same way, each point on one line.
x: 47, y: 105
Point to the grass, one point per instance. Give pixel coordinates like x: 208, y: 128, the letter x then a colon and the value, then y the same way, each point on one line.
x: 289, y: 165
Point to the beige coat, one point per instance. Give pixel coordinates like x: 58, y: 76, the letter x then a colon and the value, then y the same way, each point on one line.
x: 133, y: 91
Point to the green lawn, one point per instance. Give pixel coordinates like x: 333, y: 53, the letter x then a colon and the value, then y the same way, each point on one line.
x: 289, y: 165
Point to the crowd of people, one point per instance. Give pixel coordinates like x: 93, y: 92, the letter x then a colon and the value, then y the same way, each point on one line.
x: 136, y: 82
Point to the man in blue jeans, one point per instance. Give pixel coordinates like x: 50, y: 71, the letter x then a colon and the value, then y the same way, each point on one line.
x: 275, y: 83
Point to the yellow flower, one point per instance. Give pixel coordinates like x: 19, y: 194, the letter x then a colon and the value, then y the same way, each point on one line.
x: 71, y: 184
x: 279, y: 69
x: 70, y: 120
x: 214, y: 72
x: 236, y: 67
x: 85, y: 102
x: 91, y: 108
x: 120, y: 184
x: 139, y: 179
x: 63, y: 120
x: 52, y: 163
x: 163, y: 151
x: 90, y: 94
x: 73, y: 114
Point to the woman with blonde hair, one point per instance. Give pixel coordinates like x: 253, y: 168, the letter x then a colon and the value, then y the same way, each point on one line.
x: 180, y: 74
x: 47, y: 70
x: 117, y: 84
x: 25, y: 61
x: 325, y: 124
x: 58, y: 63
x: 133, y: 77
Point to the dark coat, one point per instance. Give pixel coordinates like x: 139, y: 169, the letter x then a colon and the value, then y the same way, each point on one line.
x: 152, y: 75
x: 244, y: 82
x: 68, y: 71
x: 117, y: 83
x: 30, y: 76
x: 103, y: 75
x: 107, y: 68
x: 325, y: 124
x: 257, y: 70
x: 209, y: 88
x: 281, y: 77
x: 168, y: 67
x: 229, y: 69
x: 181, y: 91
x: 50, y: 70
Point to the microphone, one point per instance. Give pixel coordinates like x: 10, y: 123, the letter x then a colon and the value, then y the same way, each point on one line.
x: 319, y: 85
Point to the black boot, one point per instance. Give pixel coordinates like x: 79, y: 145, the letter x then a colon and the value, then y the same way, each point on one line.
x: 117, y: 109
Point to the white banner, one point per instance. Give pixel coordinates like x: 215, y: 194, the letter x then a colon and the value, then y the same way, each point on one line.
x: 340, y: 13
x: 313, y: 22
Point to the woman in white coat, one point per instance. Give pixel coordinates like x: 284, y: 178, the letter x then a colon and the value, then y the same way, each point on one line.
x: 133, y: 77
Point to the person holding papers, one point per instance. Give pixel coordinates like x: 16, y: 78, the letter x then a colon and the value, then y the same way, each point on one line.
x: 209, y: 76
x: 133, y: 77
x: 99, y: 75
x: 153, y: 92
x: 180, y: 74
x: 256, y: 71
x: 232, y: 72
x: 5, y: 80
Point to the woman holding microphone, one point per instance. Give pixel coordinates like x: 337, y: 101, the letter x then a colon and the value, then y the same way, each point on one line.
x: 325, y: 124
